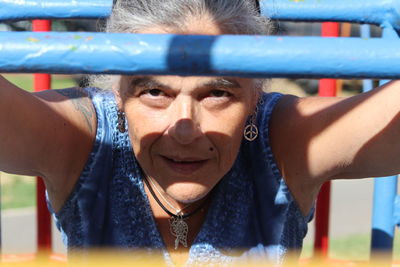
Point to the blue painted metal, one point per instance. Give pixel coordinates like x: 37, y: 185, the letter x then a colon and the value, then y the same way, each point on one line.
x: 53, y: 9
x: 365, y: 11
x: 366, y: 34
x: 397, y: 211
x: 385, y: 190
x: 249, y: 56
x: 383, y: 214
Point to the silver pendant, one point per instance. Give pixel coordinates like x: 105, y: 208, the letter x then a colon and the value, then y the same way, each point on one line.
x: 179, y: 228
x: 250, y: 132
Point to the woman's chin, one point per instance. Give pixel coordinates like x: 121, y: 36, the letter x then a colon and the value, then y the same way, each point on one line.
x: 187, y: 194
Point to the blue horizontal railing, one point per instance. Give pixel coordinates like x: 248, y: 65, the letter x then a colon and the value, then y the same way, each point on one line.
x: 362, y: 11
x: 54, y: 9
x: 229, y: 55
x: 365, y: 11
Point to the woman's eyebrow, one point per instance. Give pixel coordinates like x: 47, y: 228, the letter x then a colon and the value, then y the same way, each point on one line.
x: 149, y: 82
x: 222, y: 83
x: 146, y: 82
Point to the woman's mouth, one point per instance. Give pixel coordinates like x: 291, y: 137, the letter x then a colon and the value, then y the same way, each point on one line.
x: 184, y: 166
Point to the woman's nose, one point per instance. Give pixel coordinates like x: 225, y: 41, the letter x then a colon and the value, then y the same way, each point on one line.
x: 184, y: 127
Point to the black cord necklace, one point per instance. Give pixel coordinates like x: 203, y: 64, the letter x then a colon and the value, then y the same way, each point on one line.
x: 178, y: 227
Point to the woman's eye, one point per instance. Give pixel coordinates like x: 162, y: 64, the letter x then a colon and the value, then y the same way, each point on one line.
x: 154, y: 92
x: 219, y: 93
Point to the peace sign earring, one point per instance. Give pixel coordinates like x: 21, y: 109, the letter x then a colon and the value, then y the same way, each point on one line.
x: 250, y: 132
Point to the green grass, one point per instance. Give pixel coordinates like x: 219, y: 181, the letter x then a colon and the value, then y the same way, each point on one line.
x: 25, y: 81
x: 17, y: 191
x: 353, y: 247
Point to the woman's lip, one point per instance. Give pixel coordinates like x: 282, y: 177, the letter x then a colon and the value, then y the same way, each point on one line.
x: 186, y: 166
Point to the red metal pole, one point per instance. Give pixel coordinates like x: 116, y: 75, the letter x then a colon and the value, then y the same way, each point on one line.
x: 321, y: 243
x: 327, y: 87
x: 42, y: 82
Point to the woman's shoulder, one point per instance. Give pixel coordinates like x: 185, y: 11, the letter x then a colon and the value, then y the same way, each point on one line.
x: 105, y: 105
x: 100, y: 96
x: 100, y: 165
x: 264, y: 111
x: 258, y: 153
x: 267, y: 103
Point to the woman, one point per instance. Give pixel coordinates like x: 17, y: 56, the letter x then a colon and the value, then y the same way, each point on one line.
x: 206, y: 169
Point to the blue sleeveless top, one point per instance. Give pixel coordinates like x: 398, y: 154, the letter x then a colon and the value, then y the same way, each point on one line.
x: 252, y: 210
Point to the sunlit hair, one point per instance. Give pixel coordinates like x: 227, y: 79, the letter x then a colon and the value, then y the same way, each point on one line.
x: 233, y: 16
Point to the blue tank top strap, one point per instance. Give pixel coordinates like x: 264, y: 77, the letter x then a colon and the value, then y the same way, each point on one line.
x: 275, y: 203
x: 264, y: 119
x: 85, y: 202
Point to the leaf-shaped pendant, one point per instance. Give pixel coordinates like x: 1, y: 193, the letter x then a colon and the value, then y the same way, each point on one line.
x: 179, y: 228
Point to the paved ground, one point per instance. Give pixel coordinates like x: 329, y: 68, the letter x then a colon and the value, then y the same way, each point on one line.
x: 18, y: 229
x: 351, y: 207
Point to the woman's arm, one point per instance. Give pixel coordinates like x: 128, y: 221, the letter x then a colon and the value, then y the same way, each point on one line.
x: 48, y: 134
x: 317, y: 139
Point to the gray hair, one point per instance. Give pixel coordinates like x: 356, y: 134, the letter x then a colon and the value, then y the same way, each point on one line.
x: 233, y: 16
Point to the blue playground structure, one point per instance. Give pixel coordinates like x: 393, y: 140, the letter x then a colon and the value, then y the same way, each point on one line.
x: 226, y: 55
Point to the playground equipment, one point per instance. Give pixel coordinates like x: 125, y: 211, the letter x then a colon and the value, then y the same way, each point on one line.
x: 54, y: 9
x: 248, y: 56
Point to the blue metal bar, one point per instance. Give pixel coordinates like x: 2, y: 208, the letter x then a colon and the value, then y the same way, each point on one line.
x: 54, y: 9
x: 248, y: 56
x: 366, y: 34
x: 385, y: 190
x: 383, y: 211
x: 397, y: 211
x: 365, y: 11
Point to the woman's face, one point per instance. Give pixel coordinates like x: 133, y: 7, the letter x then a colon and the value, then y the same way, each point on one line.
x: 186, y: 131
